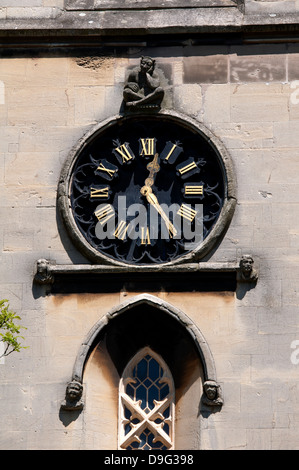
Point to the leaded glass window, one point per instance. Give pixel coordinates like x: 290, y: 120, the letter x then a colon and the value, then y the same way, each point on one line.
x: 146, y: 404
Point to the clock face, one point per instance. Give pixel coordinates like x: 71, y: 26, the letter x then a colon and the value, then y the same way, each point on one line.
x: 145, y: 190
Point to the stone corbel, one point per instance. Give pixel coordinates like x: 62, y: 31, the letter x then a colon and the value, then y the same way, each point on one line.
x: 73, y: 397
x: 212, y: 394
x: 246, y: 271
x: 44, y: 273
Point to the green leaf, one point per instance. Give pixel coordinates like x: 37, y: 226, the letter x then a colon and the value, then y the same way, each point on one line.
x: 10, y: 332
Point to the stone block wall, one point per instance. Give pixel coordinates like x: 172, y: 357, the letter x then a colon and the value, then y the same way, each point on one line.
x: 248, y: 96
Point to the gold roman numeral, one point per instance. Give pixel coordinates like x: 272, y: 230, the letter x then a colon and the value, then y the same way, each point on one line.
x: 121, y: 230
x: 193, y: 190
x: 104, y: 214
x: 147, y: 146
x: 170, y: 153
x: 124, y: 153
x: 109, y: 171
x: 187, y: 212
x: 99, y: 192
x: 187, y: 168
x: 145, y: 237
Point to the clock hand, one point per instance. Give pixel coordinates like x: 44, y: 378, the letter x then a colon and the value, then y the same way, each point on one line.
x: 152, y: 199
x: 153, y: 168
x: 146, y: 191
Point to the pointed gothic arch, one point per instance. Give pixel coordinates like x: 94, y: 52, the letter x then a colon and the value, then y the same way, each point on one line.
x: 175, y: 314
x: 144, y: 323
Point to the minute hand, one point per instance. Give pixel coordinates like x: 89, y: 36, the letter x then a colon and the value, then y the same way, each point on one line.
x: 152, y: 199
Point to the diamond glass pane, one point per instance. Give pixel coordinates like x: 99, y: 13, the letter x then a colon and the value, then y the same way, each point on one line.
x: 147, y: 386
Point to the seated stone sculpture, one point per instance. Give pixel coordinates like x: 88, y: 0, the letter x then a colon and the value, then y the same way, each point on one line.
x: 142, y: 89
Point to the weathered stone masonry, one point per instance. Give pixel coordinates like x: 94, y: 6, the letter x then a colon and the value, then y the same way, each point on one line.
x: 233, y: 67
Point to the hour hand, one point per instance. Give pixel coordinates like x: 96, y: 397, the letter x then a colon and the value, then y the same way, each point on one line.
x: 153, y: 168
x: 152, y: 199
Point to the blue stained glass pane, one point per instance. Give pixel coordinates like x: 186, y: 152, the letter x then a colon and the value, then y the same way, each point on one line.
x: 154, y: 370
x: 164, y: 391
x: 147, y: 383
x: 154, y: 445
x: 142, y: 370
x: 136, y: 382
x: 157, y: 445
x: 143, y: 439
x: 141, y: 394
x: 166, y: 413
x: 134, y: 445
x: 130, y: 391
x: 166, y: 428
x: 127, y: 428
x: 153, y: 394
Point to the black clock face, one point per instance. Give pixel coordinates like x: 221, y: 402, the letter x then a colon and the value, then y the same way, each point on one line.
x: 146, y: 190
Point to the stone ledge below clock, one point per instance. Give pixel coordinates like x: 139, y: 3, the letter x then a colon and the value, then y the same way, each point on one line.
x: 103, y: 278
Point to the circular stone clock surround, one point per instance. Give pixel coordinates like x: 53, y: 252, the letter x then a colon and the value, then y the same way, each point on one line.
x: 225, y: 163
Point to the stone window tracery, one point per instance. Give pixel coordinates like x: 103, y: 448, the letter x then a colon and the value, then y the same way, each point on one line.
x: 146, y: 404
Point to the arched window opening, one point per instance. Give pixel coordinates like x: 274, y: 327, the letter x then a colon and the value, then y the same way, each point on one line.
x: 146, y: 404
x: 108, y: 362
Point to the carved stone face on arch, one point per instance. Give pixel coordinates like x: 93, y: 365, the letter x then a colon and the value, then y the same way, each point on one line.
x: 147, y: 190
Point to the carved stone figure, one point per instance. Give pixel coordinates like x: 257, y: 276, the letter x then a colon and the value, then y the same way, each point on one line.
x: 212, y: 395
x: 43, y: 274
x: 247, y: 273
x: 142, y: 88
x: 73, y: 396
